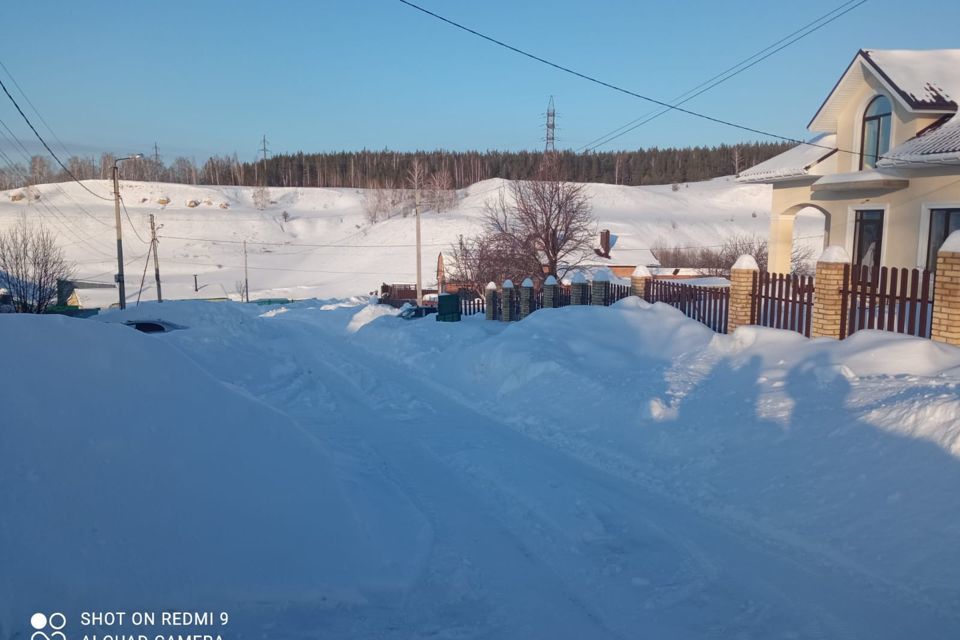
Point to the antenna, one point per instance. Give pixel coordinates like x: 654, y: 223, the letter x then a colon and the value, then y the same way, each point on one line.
x: 551, y: 126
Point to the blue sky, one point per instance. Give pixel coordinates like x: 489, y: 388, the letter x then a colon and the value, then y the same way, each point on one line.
x: 209, y: 77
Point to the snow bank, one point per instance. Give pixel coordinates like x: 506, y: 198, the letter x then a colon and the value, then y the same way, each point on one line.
x: 851, y: 449
x: 156, y: 483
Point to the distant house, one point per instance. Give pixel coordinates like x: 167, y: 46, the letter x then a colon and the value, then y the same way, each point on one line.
x: 884, y: 169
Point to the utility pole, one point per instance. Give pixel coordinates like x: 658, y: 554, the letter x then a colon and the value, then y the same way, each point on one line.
x: 416, y: 208
x: 116, y: 208
x: 156, y: 260
x: 246, y: 277
x: 196, y: 288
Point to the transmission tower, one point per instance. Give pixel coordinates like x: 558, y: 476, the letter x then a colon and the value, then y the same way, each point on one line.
x: 551, y: 126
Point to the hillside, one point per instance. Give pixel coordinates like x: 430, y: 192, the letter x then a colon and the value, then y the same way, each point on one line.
x: 318, y: 242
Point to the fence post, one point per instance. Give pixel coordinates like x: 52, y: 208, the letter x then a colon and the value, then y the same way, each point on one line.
x: 946, y: 293
x: 827, y: 293
x: 600, y: 288
x: 506, y: 301
x: 741, y: 292
x: 551, y: 291
x: 489, y: 300
x: 526, y: 298
x: 638, y: 281
x: 579, y: 289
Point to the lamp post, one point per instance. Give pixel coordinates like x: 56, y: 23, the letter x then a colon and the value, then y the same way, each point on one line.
x: 116, y: 207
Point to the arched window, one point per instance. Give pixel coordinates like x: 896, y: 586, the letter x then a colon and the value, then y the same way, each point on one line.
x: 875, y: 140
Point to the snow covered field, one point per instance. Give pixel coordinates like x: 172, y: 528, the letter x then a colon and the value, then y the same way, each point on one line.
x: 324, y: 246
x: 325, y: 469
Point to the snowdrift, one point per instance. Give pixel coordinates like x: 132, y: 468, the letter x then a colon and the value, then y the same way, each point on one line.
x: 131, y: 478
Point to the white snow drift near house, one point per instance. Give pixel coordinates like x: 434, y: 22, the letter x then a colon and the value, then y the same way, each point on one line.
x: 325, y: 246
x: 326, y: 470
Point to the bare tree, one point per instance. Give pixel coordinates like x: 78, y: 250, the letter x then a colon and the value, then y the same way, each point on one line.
x: 717, y: 260
x: 31, y: 263
x: 489, y: 258
x: 440, y: 195
x: 261, y: 198
x: 547, y: 219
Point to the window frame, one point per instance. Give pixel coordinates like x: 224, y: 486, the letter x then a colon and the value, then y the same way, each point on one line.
x: 858, y: 235
x: 878, y: 118
x: 930, y: 260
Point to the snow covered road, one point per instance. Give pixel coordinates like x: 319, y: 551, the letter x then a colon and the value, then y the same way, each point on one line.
x: 476, y: 519
x: 517, y: 539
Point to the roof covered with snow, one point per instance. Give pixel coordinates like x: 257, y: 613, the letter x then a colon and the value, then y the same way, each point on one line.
x: 927, y: 81
x: 793, y: 163
x: 939, y: 144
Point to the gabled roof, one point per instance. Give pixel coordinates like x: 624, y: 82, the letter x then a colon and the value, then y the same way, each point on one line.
x: 792, y: 163
x: 921, y: 81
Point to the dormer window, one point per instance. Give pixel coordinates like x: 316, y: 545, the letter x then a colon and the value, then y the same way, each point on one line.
x: 875, y: 140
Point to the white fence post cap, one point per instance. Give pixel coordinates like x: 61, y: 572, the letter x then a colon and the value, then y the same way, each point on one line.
x: 952, y: 243
x: 550, y: 281
x: 578, y: 278
x: 491, y: 286
x: 601, y: 275
x: 747, y: 262
x: 527, y: 282
x: 834, y: 254
x: 642, y: 272
x: 508, y: 284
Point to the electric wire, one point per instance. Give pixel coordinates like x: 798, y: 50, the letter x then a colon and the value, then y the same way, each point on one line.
x: 723, y: 77
x: 640, y: 96
x: 47, y: 146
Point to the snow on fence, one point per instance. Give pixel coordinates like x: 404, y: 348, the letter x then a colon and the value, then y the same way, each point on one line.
x: 525, y: 300
x: 708, y: 305
x: 888, y: 299
x: 782, y: 301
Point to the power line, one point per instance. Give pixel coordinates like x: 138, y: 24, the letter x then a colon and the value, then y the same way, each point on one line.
x: 303, y: 244
x: 35, y: 110
x: 723, y: 77
x: 47, y: 146
x: 132, y: 226
x: 669, y: 107
x: 14, y: 142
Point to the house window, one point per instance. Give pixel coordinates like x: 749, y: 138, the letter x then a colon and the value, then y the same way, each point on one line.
x: 943, y: 222
x: 867, y: 238
x: 875, y: 140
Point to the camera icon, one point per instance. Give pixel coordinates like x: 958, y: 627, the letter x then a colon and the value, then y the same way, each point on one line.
x: 54, y: 622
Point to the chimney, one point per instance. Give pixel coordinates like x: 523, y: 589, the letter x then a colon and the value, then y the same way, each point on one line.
x: 604, y: 250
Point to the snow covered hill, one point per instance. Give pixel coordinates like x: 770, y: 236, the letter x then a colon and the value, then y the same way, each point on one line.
x: 319, y: 242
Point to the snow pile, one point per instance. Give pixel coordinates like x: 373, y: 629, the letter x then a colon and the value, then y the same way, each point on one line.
x: 133, y: 479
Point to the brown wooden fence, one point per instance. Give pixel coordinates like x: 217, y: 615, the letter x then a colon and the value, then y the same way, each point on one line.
x: 782, y: 301
x: 888, y: 299
x: 709, y: 305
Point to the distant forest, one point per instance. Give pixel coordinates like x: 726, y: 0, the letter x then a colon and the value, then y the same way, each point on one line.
x: 389, y: 169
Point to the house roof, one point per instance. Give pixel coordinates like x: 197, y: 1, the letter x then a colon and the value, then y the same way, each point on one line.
x: 792, y: 163
x: 937, y: 144
x: 921, y: 81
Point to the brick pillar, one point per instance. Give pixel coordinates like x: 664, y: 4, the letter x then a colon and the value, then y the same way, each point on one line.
x: 946, y: 293
x: 551, y: 293
x: 638, y: 281
x: 506, y: 301
x: 526, y: 298
x: 600, y: 288
x: 741, y: 292
x: 489, y: 300
x: 579, y: 289
x: 826, y: 293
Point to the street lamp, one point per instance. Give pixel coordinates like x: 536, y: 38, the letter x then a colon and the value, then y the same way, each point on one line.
x: 116, y: 206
